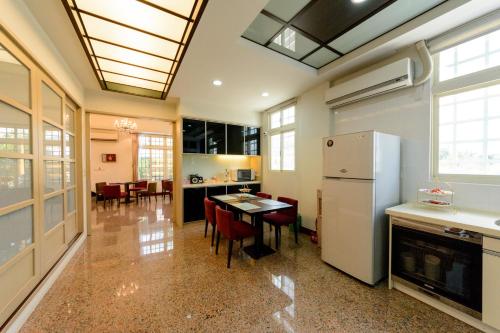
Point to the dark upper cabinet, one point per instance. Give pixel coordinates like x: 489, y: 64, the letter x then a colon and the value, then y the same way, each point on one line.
x: 216, y: 138
x: 193, y: 133
x: 235, y: 139
x: 252, y: 141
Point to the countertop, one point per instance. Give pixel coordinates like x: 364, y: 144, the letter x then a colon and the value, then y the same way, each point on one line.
x: 473, y: 220
x: 219, y: 183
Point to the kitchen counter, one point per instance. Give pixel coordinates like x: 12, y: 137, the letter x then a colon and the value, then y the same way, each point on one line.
x: 219, y: 183
x: 473, y: 220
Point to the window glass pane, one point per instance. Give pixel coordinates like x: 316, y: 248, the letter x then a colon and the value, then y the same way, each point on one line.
x: 69, y: 146
x: 275, y: 119
x: 69, y: 119
x: 288, y: 116
x: 69, y: 173
x: 276, y: 152
x: 71, y: 201
x: 52, y: 104
x: 14, y: 78
x: 52, y: 140
x: 289, y: 150
x: 469, y: 57
x: 53, y: 211
x: 53, y: 176
x: 15, y: 181
x: 15, y: 128
x: 155, y: 157
x: 16, y: 232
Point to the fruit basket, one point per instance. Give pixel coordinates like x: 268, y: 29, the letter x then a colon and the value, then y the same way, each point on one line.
x: 435, y: 197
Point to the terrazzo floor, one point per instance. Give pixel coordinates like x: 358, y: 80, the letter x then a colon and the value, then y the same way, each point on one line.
x: 139, y: 272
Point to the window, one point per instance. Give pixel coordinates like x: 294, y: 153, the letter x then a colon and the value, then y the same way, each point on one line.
x: 282, y: 139
x: 466, y: 123
x: 155, y: 157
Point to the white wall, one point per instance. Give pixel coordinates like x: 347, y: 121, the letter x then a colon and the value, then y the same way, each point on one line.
x: 312, y: 124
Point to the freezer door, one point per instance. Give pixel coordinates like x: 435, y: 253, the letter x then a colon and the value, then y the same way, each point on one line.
x: 347, y: 226
x: 349, y: 156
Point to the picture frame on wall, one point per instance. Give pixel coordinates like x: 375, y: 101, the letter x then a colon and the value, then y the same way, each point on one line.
x: 108, y: 158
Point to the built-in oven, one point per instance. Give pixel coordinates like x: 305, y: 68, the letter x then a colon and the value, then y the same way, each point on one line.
x: 445, y: 263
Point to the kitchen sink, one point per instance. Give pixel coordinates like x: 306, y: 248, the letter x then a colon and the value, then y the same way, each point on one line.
x: 497, y: 222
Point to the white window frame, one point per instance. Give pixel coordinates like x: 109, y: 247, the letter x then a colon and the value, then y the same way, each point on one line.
x: 281, y: 130
x: 476, y: 80
x: 167, y: 150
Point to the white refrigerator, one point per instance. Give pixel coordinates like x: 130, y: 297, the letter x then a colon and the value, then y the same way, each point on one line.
x: 360, y: 180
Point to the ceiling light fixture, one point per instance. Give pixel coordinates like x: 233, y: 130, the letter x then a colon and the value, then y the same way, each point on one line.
x: 357, y: 1
x: 265, y: 94
x: 135, y: 46
x: 217, y: 83
x: 125, y: 125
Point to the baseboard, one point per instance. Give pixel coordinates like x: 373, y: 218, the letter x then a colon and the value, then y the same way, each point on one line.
x: 306, y: 231
x: 24, y: 312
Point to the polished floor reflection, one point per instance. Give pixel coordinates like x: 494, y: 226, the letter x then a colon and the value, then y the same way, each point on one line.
x: 138, y: 272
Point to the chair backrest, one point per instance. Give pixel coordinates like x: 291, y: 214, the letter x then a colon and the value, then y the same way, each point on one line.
x: 264, y: 195
x: 142, y: 184
x: 292, y: 212
x: 99, y: 187
x: 224, y: 220
x: 167, y: 185
x: 209, y: 210
x: 111, y: 191
x: 152, y: 187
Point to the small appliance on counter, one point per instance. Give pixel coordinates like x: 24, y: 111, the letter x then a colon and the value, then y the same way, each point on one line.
x: 242, y: 175
x: 195, y: 179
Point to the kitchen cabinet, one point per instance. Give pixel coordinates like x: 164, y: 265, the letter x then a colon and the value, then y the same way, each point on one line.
x: 252, y: 141
x: 491, y: 285
x: 235, y: 139
x: 194, y: 208
x: 234, y: 189
x: 216, y: 190
x: 254, y: 187
x: 216, y: 138
x: 193, y: 133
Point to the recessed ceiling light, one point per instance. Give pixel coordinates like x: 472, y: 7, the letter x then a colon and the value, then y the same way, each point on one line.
x: 217, y: 83
x: 357, y: 1
x: 265, y: 94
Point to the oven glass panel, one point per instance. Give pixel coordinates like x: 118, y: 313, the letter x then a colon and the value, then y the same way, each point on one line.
x: 446, y: 266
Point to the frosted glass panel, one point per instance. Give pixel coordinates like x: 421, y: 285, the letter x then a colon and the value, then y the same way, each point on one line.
x: 69, y: 119
x: 53, y: 176
x: 14, y: 78
x: 262, y: 29
x: 52, y: 104
x: 71, y: 201
x: 183, y: 7
x: 69, y: 173
x: 16, y: 232
x: 285, y: 9
x: 292, y: 44
x: 320, y: 58
x: 53, y: 211
x: 133, y: 81
x: 15, y: 181
x: 380, y: 23
x: 52, y: 140
x: 117, y: 67
x: 15, y: 128
x: 69, y: 146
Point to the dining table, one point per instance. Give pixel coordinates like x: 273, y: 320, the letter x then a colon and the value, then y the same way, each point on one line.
x: 126, y: 185
x: 256, y: 207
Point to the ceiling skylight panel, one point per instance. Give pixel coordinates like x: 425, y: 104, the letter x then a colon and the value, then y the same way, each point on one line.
x: 118, y: 67
x: 285, y: 9
x: 182, y: 7
x: 131, y: 81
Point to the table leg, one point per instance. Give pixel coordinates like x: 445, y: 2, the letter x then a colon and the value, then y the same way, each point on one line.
x: 258, y: 249
x: 127, y: 190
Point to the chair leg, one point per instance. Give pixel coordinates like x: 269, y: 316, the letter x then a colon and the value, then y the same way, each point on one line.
x: 241, y: 243
x: 217, y: 243
x: 229, y: 253
x: 296, y: 231
x: 270, y: 227
x: 206, y: 227
x: 118, y: 202
x: 213, y: 234
x: 277, y: 236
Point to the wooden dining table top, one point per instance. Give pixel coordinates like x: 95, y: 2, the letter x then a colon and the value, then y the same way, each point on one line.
x: 251, y: 204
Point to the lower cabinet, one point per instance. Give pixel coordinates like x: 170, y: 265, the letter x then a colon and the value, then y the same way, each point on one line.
x: 216, y: 190
x: 194, y: 209
x: 254, y: 187
x: 491, y: 282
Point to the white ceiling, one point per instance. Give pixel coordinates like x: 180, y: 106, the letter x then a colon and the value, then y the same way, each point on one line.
x: 218, y: 52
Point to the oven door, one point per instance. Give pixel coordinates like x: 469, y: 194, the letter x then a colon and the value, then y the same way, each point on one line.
x: 444, y: 264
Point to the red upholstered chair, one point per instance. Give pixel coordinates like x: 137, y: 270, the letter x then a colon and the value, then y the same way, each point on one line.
x: 231, y: 229
x: 264, y: 195
x: 167, y: 188
x: 141, y: 185
x: 210, y: 217
x: 283, y: 217
x: 111, y: 192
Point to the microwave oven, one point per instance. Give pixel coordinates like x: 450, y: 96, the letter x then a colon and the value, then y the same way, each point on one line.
x: 242, y: 175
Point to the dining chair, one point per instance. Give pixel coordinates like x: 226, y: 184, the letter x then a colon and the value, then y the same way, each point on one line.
x: 141, y: 185
x: 150, y: 191
x: 167, y: 188
x: 210, y: 217
x: 264, y: 196
x: 283, y: 217
x: 112, y: 192
x: 99, y: 191
x: 232, y: 230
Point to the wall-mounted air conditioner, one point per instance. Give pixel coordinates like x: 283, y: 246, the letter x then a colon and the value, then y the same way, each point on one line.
x: 98, y: 134
x: 385, y: 79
